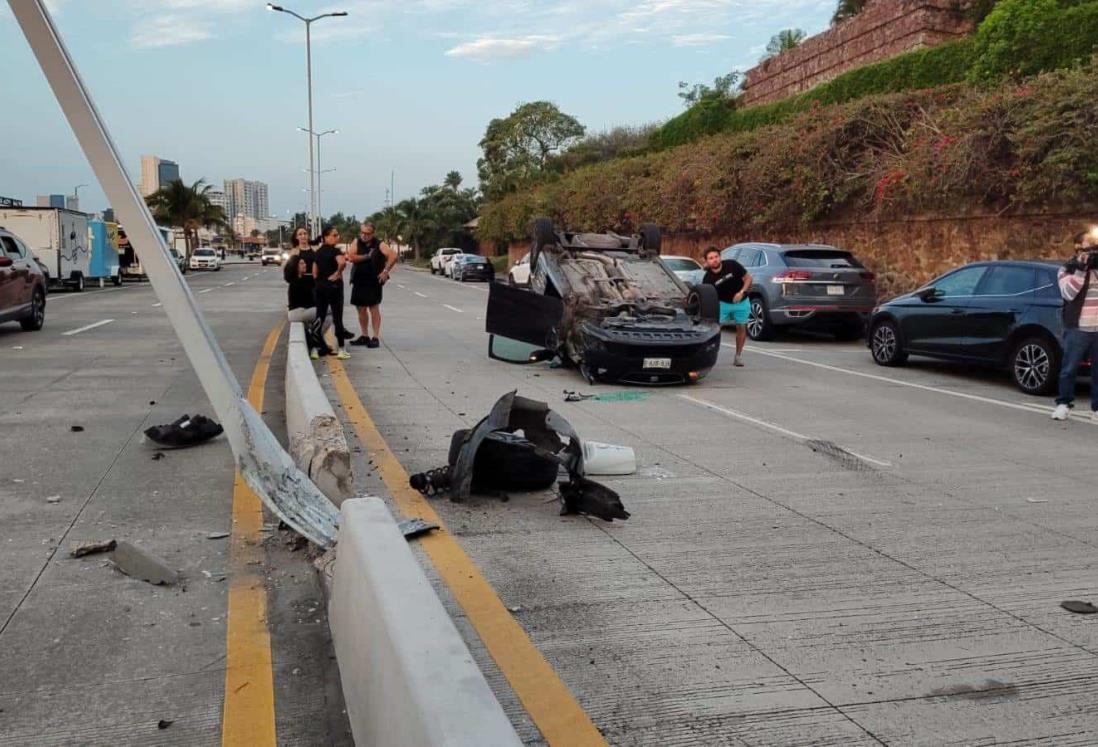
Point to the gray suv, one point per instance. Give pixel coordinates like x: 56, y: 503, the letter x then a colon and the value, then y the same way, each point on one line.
x: 805, y: 284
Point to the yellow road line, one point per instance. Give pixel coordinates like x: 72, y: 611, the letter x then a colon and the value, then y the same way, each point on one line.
x: 549, y: 702
x: 249, y: 715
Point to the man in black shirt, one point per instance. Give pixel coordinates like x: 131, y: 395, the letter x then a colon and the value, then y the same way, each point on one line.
x: 732, y: 281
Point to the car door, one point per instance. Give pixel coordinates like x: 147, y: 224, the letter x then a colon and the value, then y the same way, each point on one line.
x: 524, y: 322
x: 1003, y: 296
x: 933, y: 318
x: 7, y: 278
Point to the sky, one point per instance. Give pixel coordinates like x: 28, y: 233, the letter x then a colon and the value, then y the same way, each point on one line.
x: 219, y: 85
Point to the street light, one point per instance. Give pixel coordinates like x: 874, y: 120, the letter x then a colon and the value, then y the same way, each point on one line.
x: 319, y: 171
x: 76, y: 195
x: 309, y: 80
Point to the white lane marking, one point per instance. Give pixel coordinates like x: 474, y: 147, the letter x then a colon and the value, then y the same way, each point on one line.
x: 400, y: 286
x: 157, y: 305
x: 909, y: 384
x: 229, y: 285
x: 205, y: 290
x: 774, y: 427
x: 86, y: 328
x: 451, y: 308
x: 421, y: 295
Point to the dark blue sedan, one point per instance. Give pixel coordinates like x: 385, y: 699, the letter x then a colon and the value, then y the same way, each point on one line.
x: 1001, y: 314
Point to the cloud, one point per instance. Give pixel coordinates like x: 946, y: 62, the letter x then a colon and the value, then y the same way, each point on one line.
x: 698, y: 40
x: 168, y: 31
x: 487, y: 49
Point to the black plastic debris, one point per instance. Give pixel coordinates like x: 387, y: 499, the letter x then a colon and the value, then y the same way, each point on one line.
x: 1080, y: 608
x: 413, y: 528
x: 76, y: 428
x: 493, y: 456
x: 163, y: 723
x: 186, y: 431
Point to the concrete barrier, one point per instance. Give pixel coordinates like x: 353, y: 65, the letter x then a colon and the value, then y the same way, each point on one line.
x: 408, y: 677
x: 317, y: 442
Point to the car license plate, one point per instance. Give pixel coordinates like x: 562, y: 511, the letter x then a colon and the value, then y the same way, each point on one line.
x: 835, y: 290
x: 657, y: 363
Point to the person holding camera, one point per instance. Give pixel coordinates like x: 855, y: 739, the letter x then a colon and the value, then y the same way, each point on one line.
x: 1078, y: 280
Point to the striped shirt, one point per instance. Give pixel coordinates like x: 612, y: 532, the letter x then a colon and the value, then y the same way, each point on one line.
x: 1070, y: 285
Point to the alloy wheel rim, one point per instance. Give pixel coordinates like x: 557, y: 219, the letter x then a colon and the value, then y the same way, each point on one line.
x: 1031, y: 366
x: 755, y: 319
x: 884, y: 343
x: 39, y: 311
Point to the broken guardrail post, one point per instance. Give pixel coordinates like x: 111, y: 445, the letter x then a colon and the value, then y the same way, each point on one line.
x: 262, y: 461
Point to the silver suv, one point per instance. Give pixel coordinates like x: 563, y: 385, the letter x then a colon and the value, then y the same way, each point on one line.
x: 805, y: 284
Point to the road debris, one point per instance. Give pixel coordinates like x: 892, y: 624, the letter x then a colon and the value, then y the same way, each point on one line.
x: 183, y: 432
x: 1079, y: 608
x: 217, y: 535
x: 141, y: 564
x: 158, y: 456
x: 80, y: 549
x: 76, y: 428
x: 53, y: 499
x: 492, y: 457
x: 413, y: 528
x: 163, y: 723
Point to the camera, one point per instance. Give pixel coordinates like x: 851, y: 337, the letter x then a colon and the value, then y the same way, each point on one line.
x: 1073, y: 264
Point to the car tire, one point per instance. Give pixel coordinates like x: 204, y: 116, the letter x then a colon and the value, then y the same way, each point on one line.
x: 704, y: 303
x: 650, y: 238
x: 759, y: 326
x: 80, y: 284
x: 117, y: 279
x: 885, y: 345
x: 37, y: 317
x: 1035, y: 365
x: 511, y: 280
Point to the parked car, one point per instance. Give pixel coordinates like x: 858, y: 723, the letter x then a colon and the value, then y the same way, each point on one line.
x: 22, y: 284
x: 472, y: 267
x: 1003, y: 314
x: 687, y: 269
x: 448, y: 267
x: 271, y: 255
x: 440, y: 260
x: 520, y: 272
x: 805, y: 284
x: 628, y: 319
x: 205, y: 258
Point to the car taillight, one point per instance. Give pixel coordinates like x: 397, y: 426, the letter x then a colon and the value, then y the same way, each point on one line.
x: 788, y: 276
x: 867, y: 276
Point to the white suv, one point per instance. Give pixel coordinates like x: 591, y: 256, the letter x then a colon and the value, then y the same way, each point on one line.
x: 520, y: 273
x: 205, y: 258
x: 441, y: 260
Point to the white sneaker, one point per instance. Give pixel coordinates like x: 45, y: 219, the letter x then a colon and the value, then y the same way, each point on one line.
x: 343, y: 355
x: 1061, y: 412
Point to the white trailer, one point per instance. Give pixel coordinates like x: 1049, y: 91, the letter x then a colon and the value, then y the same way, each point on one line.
x: 58, y: 237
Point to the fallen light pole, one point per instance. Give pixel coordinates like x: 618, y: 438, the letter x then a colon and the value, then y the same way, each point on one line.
x: 262, y: 461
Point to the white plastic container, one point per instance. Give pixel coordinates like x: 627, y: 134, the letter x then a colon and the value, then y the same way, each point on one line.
x: 607, y: 459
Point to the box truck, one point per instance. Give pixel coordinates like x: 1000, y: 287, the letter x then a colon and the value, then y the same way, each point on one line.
x: 131, y: 264
x: 58, y: 237
x: 104, y: 256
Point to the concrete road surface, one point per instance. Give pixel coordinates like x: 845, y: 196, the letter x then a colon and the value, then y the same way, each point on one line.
x: 92, y: 657
x: 821, y: 551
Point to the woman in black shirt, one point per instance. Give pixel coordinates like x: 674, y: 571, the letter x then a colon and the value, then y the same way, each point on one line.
x: 328, y: 272
x: 301, y: 302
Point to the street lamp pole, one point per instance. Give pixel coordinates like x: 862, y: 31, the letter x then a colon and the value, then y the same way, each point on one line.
x: 309, y: 84
x: 316, y: 185
x: 76, y: 195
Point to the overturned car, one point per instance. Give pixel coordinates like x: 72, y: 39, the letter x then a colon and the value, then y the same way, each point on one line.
x: 608, y: 305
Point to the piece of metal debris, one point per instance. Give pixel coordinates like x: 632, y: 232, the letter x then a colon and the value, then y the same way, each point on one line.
x: 217, y: 535
x: 139, y: 563
x: 80, y: 549
x: 415, y: 527
x: 1080, y: 608
x: 183, y: 432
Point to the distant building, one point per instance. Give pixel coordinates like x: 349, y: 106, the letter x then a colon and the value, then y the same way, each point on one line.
x: 108, y: 216
x: 156, y: 172
x: 53, y: 201
x: 247, y: 198
x: 221, y: 200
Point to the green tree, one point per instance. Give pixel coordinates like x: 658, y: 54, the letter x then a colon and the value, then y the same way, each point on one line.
x: 518, y: 147
x: 721, y: 90
x: 453, y: 180
x: 847, y: 9
x: 186, y: 207
x: 415, y: 223
x: 783, y: 41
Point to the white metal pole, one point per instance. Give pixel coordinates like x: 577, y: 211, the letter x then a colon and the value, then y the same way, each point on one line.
x: 319, y: 211
x: 315, y: 229
x: 261, y: 460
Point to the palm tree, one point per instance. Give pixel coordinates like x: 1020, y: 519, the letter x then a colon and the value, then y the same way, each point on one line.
x: 415, y: 222
x: 847, y: 9
x: 188, y: 208
x: 453, y: 180
x: 783, y: 41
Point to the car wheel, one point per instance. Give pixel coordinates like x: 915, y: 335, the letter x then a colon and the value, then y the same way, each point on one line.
x: 1035, y: 366
x: 511, y: 280
x: 885, y: 345
x: 117, y: 279
x: 79, y: 287
x: 37, y: 317
x: 759, y: 326
x: 650, y: 237
x: 704, y: 303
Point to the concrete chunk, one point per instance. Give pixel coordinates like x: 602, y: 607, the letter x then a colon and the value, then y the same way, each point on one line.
x: 133, y: 561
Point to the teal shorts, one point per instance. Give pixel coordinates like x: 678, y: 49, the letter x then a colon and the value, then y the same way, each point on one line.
x: 735, y: 313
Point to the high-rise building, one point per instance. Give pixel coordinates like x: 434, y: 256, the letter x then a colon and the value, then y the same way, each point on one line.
x: 53, y: 201
x: 221, y: 200
x: 156, y: 172
x: 247, y: 198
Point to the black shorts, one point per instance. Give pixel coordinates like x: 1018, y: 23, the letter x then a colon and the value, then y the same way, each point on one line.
x: 366, y: 294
